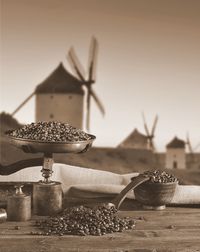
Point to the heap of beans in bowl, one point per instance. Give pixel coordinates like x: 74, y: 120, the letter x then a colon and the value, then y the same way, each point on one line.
x: 50, y: 132
x: 159, y: 176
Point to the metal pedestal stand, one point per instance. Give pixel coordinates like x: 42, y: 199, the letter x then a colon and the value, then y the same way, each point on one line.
x: 47, y: 194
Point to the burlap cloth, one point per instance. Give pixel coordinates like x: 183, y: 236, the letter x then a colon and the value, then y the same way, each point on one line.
x: 78, y: 182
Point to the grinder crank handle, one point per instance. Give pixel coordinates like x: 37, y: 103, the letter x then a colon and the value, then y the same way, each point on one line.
x: 17, y: 166
x: 136, y: 181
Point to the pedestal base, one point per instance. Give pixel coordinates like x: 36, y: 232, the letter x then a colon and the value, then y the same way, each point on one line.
x: 47, y: 198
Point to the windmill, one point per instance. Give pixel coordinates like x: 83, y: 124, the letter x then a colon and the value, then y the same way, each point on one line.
x: 91, y: 76
x: 150, y: 134
x: 58, y: 97
x: 49, y: 103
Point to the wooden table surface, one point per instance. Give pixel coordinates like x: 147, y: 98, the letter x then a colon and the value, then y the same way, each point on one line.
x: 172, y: 229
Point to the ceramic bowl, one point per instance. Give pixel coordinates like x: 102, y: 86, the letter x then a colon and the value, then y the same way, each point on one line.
x: 155, y: 195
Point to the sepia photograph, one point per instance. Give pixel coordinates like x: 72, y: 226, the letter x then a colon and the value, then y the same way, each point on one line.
x: 100, y: 125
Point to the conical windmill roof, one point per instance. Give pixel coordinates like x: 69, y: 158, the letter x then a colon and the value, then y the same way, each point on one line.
x: 134, y: 138
x: 60, y: 81
x: 176, y: 143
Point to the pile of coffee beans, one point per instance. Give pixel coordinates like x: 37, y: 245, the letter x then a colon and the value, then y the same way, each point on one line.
x: 158, y: 176
x: 50, y: 132
x: 84, y: 220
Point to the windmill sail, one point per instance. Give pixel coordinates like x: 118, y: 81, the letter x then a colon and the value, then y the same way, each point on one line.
x: 197, y: 146
x: 76, y: 65
x: 23, y: 103
x: 92, y: 60
x: 154, y: 125
x: 151, y: 135
x: 191, y: 148
x: 98, y: 102
x: 79, y: 71
x: 145, y: 125
x: 88, y: 108
x: 189, y: 143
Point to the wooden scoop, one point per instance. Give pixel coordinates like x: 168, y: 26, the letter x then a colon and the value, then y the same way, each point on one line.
x: 117, y: 201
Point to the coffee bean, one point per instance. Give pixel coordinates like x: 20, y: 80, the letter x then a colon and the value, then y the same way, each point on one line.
x: 50, y: 132
x: 84, y: 220
x: 158, y: 176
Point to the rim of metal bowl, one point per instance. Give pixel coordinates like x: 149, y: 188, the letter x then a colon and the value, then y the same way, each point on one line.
x: 18, y: 139
x: 34, y: 146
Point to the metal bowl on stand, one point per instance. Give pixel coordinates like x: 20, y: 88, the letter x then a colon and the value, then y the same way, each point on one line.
x: 47, y: 194
x: 33, y: 146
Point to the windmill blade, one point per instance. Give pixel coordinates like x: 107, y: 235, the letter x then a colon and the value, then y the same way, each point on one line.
x: 23, y: 103
x: 189, y: 143
x: 152, y: 145
x: 92, y: 60
x: 75, y: 64
x: 154, y: 125
x: 88, y: 108
x: 145, y: 125
x: 98, y: 102
x: 197, y: 146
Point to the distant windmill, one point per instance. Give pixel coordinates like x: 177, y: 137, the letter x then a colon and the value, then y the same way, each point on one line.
x: 150, y: 135
x: 191, y: 149
x: 91, y: 76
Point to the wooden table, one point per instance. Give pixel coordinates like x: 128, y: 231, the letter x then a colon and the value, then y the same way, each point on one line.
x: 172, y: 229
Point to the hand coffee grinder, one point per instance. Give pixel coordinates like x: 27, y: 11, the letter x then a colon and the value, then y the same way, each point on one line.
x: 47, y: 194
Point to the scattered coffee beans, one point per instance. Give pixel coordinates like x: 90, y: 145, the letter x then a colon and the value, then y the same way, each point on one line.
x: 50, y: 132
x: 158, y: 176
x: 84, y: 220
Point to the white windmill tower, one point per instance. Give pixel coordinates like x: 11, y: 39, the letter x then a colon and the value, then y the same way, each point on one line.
x: 150, y: 134
x: 60, y: 96
x: 175, y: 154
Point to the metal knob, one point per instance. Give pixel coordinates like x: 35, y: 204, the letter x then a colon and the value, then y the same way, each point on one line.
x: 18, y: 190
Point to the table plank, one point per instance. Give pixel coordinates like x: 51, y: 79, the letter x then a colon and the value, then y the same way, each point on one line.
x: 173, y: 229
x: 107, y: 243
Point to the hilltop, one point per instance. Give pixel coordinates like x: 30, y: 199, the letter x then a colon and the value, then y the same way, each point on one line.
x: 7, y: 122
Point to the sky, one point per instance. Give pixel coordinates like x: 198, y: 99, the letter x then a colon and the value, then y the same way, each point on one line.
x: 149, y: 60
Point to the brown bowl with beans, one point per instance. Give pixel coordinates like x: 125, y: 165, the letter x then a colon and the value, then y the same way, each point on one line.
x: 158, y: 191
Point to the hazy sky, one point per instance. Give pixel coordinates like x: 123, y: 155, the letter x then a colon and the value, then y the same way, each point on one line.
x: 149, y: 60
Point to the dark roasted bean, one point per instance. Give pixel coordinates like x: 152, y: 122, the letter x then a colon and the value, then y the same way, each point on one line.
x: 86, y: 221
x: 50, y: 132
x: 158, y: 176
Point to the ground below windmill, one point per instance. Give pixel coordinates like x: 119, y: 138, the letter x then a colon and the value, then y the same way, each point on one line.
x: 118, y: 160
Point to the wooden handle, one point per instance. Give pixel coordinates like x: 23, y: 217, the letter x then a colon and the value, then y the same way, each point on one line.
x: 14, y: 167
x: 133, y: 184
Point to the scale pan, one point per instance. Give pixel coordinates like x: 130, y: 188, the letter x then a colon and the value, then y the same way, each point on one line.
x: 34, y: 146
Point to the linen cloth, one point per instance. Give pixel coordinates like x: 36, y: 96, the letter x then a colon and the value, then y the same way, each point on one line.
x: 79, y: 182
